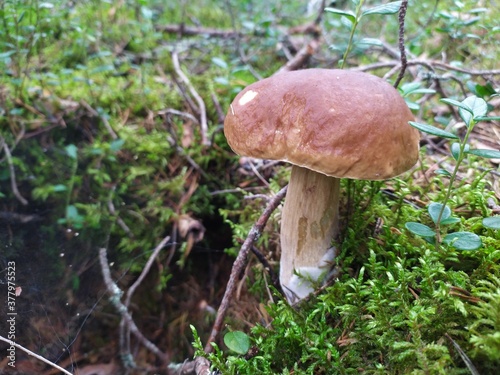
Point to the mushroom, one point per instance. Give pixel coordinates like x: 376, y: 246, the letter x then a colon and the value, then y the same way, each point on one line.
x: 329, y: 124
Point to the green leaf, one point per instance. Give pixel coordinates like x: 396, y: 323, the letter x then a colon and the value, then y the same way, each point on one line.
x: 237, y: 341
x: 59, y: 187
x: 429, y: 129
x: 450, y: 220
x: 73, y: 217
x: 492, y: 222
x: 443, y: 172
x: 463, y: 240
x: 219, y: 62
x: 478, y: 108
x: 412, y: 105
x: 455, y: 150
x: 420, y: 229
x: 485, y: 90
x: 21, y: 16
x: 389, y: 8
x: 367, y: 42
x: 423, y: 91
x: 102, y: 69
x: 435, y: 208
x: 409, y: 87
x: 4, y: 55
x: 487, y: 118
x: 490, y: 154
x: 456, y: 103
x: 414, y: 88
x: 72, y: 151
x: 478, y: 105
x: 116, y: 145
x: 344, y: 13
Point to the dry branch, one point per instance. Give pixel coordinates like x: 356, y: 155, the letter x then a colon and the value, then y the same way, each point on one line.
x: 184, y: 30
x: 115, y: 299
x: 104, y: 120
x: 39, y: 357
x: 12, y: 171
x: 429, y: 64
x: 239, y: 264
x: 301, y: 57
x: 198, y: 366
x: 201, y: 104
x: 124, y: 327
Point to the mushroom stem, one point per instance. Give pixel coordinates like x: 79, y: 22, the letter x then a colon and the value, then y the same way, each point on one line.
x: 309, y: 223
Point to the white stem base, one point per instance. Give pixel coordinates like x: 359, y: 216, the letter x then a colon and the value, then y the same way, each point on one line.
x: 309, y: 223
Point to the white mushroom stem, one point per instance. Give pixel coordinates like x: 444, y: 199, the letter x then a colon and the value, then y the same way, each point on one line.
x: 309, y: 223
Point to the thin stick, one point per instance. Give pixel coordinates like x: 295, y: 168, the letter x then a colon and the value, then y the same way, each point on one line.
x: 201, y: 104
x: 13, y: 184
x: 104, y: 120
x: 124, y: 327
x: 39, y: 357
x: 184, y: 30
x: 431, y: 64
x: 146, y: 269
x: 116, y: 294
x: 239, y: 263
x: 404, y: 61
x: 301, y: 57
x: 112, y: 211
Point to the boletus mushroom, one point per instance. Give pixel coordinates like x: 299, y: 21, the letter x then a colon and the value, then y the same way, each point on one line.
x: 329, y: 124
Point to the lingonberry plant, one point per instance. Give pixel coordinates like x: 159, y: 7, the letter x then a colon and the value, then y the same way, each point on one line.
x: 472, y: 110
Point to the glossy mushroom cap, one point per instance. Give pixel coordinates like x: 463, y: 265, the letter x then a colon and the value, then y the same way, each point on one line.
x: 337, y: 122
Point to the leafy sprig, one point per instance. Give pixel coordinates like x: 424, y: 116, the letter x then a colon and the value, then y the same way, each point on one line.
x: 472, y: 110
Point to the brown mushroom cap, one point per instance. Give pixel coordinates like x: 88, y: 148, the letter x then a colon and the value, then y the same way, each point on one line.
x: 337, y: 122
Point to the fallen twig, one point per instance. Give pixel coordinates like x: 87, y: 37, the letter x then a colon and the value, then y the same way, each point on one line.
x: 201, y: 104
x: 124, y: 327
x: 119, y: 220
x: 115, y: 300
x: 171, y: 111
x: 13, y: 217
x: 239, y: 263
x: 146, y: 269
x: 301, y: 57
x: 104, y: 120
x: 39, y: 357
x: 13, y: 183
x: 198, y: 366
x: 431, y: 64
x: 184, y: 30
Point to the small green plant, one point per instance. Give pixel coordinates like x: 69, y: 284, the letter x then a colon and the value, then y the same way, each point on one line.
x: 237, y: 341
x: 485, y: 329
x: 355, y: 17
x: 472, y: 110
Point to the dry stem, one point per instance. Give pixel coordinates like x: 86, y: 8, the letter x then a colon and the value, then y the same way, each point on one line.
x: 115, y: 299
x: 239, y: 264
x: 39, y: 357
x: 201, y: 104
x: 404, y: 61
x: 12, y: 171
